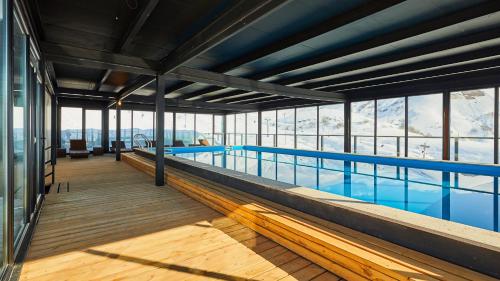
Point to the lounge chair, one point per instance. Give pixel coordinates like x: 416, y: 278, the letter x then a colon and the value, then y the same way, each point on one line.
x: 78, y: 149
x: 123, y: 147
x: 179, y: 143
x: 204, y: 142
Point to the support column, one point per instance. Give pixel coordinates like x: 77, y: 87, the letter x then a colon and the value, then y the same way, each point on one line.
x: 495, y: 127
x: 259, y: 128
x: 118, y: 132
x: 105, y: 130
x: 406, y: 126
x: 347, y: 127
x: 446, y: 125
x: 160, y: 132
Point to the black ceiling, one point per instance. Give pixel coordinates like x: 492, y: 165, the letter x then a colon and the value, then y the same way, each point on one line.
x: 358, y: 47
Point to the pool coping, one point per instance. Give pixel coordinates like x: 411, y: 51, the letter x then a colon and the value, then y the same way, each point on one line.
x: 464, y: 245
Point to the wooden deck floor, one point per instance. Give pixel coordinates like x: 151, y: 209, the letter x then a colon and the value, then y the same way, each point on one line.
x: 114, y: 224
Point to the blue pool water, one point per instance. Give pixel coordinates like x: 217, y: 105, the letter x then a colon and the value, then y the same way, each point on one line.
x: 459, y: 192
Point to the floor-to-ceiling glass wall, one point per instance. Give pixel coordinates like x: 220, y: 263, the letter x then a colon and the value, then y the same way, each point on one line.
x: 143, y: 124
x: 184, y: 126
x: 169, y: 128
x: 307, y: 127
x: 93, y: 128
x: 230, y: 127
x: 286, y: 128
x: 240, y: 129
x: 268, y: 128
x: 20, y: 93
x: 425, y: 126
x: 331, y: 127
x: 471, y: 125
x: 252, y: 128
x: 218, y: 129
x: 204, y: 128
x: 4, y: 92
x: 126, y: 127
x: 391, y: 127
x: 363, y: 127
x: 71, y: 125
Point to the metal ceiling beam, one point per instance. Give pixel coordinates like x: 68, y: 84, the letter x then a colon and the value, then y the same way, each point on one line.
x: 227, y: 81
x: 334, y: 22
x: 95, y: 59
x: 129, y: 35
x: 194, y: 104
x: 52, y: 73
x: 232, y: 21
x: 136, y: 26
x: 139, y: 83
x: 289, y: 103
x: 450, y: 71
x: 482, y: 9
x: 84, y: 93
x: 466, y: 81
x: 464, y: 59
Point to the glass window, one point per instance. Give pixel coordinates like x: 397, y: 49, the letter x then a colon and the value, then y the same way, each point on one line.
x: 144, y: 124
x: 71, y: 125
x: 268, y: 128
x: 240, y: 127
x: 425, y: 126
x: 230, y: 140
x: 93, y: 128
x: 471, y: 125
x: 331, y: 127
x: 204, y: 127
x: 169, y: 128
x: 362, y: 127
x: 391, y: 127
x: 252, y: 128
x: 286, y: 128
x: 112, y: 126
x: 20, y: 131
x: 218, y: 130
x: 4, y: 77
x: 184, y: 128
x: 125, y: 127
x: 307, y: 128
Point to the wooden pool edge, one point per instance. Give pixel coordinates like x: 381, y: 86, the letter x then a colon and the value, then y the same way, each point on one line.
x: 470, y: 255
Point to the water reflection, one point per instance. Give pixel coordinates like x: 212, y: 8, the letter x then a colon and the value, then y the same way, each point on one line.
x: 463, y: 198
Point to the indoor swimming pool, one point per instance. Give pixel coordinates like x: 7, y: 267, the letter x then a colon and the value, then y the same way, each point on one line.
x: 432, y: 188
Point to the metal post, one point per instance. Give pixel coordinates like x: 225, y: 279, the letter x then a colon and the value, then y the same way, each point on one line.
x: 375, y: 124
x: 84, y: 124
x: 118, y: 139
x: 347, y: 127
x: 406, y: 126
x: 456, y: 148
x: 8, y: 145
x: 160, y: 132
x: 318, y: 139
x: 495, y: 127
x: 259, y: 128
x: 174, y: 127
x: 295, y: 127
x: 446, y: 125
x: 224, y: 130
x: 105, y: 130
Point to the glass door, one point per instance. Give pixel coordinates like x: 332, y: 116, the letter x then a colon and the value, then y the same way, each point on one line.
x: 20, y: 122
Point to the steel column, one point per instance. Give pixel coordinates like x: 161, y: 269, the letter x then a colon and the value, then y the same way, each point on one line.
x: 105, y: 129
x: 495, y: 126
x: 446, y: 125
x: 160, y: 132
x: 259, y: 128
x: 406, y: 126
x: 118, y: 133
x: 347, y: 127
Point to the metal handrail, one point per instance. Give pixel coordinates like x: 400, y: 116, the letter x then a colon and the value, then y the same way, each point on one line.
x: 138, y: 137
